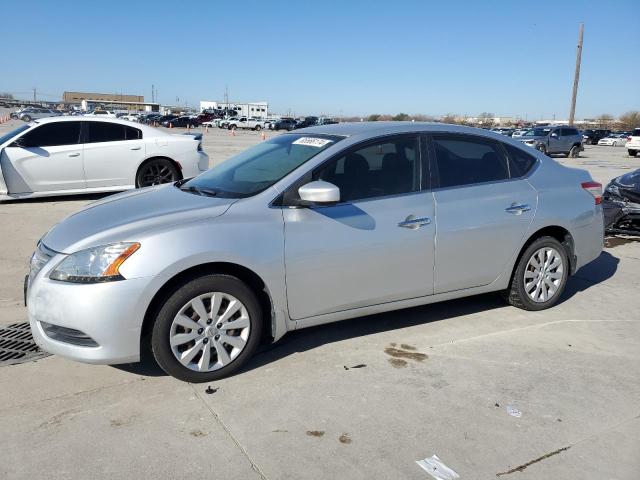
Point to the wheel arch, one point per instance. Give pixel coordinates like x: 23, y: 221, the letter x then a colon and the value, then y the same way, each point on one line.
x: 252, y: 279
x: 158, y: 157
x: 559, y: 233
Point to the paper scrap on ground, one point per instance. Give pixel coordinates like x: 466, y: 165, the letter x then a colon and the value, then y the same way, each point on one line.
x: 513, y: 411
x: 438, y: 470
x: 312, y: 141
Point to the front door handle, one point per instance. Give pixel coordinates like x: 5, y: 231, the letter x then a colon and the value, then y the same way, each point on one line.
x: 517, y: 208
x: 414, y: 223
x: 136, y: 148
x: 74, y: 154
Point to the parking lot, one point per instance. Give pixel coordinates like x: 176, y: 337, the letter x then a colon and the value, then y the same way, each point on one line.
x: 488, y: 388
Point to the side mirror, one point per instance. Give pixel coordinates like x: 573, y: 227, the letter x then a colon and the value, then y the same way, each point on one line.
x: 319, y: 192
x: 554, y: 135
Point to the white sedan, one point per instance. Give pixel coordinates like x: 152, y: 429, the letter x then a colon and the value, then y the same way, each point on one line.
x: 614, y: 140
x: 71, y: 155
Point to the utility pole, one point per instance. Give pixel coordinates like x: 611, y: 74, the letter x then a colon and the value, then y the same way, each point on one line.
x: 153, y: 95
x: 34, y: 94
x: 576, y: 76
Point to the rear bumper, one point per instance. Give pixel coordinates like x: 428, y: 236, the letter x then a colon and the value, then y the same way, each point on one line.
x: 588, y: 238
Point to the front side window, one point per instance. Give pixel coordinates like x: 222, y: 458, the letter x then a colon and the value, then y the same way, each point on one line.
x: 259, y: 167
x: 390, y: 167
x: 466, y: 161
x: 52, y: 134
x: 98, y: 132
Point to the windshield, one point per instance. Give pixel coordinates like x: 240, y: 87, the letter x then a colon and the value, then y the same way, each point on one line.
x: 537, y: 132
x: 13, y: 133
x: 259, y: 167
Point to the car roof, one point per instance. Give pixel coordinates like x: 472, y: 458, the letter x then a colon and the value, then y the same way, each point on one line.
x: 349, y: 129
x: 149, y: 131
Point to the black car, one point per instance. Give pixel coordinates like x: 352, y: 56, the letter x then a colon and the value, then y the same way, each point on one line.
x: 182, y: 122
x: 307, y: 122
x: 621, y: 204
x: 326, y: 121
x: 592, y: 137
x: 285, y: 124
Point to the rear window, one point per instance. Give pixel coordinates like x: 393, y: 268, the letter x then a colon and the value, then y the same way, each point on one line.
x: 636, y: 132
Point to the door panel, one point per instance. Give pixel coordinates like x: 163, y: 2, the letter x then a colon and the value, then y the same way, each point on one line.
x: 48, y: 158
x: 112, y: 153
x: 40, y: 169
x: 477, y: 235
x: 354, y: 254
x: 112, y: 163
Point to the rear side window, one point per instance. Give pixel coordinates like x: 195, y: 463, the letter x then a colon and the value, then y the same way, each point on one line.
x: 636, y: 133
x: 520, y: 163
x: 465, y: 160
x: 98, y: 132
x: 132, y: 133
x: 53, y: 134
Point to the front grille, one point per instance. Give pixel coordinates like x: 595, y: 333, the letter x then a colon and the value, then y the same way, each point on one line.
x: 68, y: 335
x: 17, y: 345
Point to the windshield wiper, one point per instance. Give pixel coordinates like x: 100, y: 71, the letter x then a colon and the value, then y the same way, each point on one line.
x: 200, y: 191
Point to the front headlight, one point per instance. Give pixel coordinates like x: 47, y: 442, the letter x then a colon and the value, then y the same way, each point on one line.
x: 93, y: 265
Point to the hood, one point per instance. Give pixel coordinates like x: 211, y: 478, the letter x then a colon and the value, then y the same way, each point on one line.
x: 629, y: 180
x: 130, y: 215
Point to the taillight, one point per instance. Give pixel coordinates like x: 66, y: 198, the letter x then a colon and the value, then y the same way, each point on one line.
x: 629, y: 138
x: 595, y: 189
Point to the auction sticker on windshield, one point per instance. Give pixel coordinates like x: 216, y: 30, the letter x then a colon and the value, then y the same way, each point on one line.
x: 312, y: 142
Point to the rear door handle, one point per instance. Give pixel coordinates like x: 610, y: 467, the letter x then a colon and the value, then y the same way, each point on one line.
x: 517, y: 208
x: 414, y: 223
x: 74, y: 154
x: 136, y: 148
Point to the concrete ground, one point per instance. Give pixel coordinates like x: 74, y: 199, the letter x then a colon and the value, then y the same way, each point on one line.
x: 439, y: 379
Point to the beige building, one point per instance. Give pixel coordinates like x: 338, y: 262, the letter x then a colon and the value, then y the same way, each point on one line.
x: 130, y: 102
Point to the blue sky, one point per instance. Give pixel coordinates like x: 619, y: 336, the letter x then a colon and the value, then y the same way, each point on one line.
x: 332, y: 57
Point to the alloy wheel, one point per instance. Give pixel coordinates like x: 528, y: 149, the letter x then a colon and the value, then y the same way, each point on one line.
x: 156, y: 173
x: 543, y: 274
x: 210, y: 331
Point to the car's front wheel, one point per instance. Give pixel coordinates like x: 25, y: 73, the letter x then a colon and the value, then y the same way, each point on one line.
x: 207, y: 329
x: 540, y: 275
x: 156, y: 172
x: 26, y: 118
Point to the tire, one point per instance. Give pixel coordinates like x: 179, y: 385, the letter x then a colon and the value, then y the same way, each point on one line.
x: 542, y: 149
x: 26, y: 118
x: 574, y: 152
x: 519, y: 292
x: 156, y: 172
x: 258, y: 128
x: 177, y: 315
x: 232, y: 127
x: 632, y: 153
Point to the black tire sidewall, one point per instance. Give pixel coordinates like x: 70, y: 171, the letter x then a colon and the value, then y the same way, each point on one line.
x: 189, y: 290
x: 518, y: 276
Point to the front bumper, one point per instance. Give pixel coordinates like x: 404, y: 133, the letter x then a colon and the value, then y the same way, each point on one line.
x: 109, y: 313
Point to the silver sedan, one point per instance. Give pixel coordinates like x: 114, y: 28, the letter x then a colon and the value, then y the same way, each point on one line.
x: 310, y: 227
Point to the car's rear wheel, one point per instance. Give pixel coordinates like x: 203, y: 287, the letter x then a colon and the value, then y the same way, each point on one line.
x: 632, y: 153
x: 258, y: 128
x: 156, y: 172
x: 207, y: 329
x: 540, y: 276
